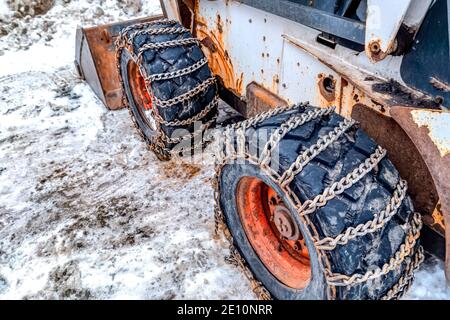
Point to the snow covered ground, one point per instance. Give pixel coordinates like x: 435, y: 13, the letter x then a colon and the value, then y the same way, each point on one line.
x: 86, y: 211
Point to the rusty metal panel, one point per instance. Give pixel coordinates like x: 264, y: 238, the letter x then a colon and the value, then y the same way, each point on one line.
x: 430, y: 132
x: 260, y: 100
x: 96, y: 61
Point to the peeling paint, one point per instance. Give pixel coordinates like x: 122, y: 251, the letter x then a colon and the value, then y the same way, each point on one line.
x: 438, y: 125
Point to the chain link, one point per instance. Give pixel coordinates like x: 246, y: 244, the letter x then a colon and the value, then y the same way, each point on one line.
x: 405, y: 250
x: 142, y: 25
x: 377, y: 223
x: 185, y: 96
x: 405, y: 281
x: 250, y: 122
x: 167, y: 44
x: 192, y: 135
x: 178, y: 73
x: 309, y: 206
x: 158, y: 31
x: 290, y: 124
x: 235, y: 259
x: 213, y: 104
x: 313, y: 151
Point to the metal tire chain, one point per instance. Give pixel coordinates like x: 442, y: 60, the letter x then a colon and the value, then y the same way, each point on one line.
x: 167, y: 44
x: 178, y: 73
x: 406, y: 280
x: 245, y: 125
x: 235, y: 259
x: 322, y: 143
x: 142, y: 25
x: 156, y: 144
x: 153, y: 144
x: 290, y: 124
x: 186, y: 96
x: 220, y: 221
x: 330, y: 192
x: 378, y: 222
x: 153, y: 32
x: 190, y: 135
x: 197, y: 117
x: 405, y: 250
x: 264, y: 116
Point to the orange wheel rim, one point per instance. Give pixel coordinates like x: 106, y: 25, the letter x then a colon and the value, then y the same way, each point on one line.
x: 138, y: 87
x: 273, y: 233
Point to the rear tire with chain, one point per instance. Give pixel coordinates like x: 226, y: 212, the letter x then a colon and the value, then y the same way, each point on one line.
x: 292, y: 253
x: 167, y: 84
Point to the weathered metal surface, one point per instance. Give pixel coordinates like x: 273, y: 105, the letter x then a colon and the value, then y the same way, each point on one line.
x: 95, y: 59
x: 382, y: 88
x: 384, y: 18
x: 246, y: 45
x: 430, y: 132
x: 171, y: 9
x: 260, y: 100
x: 327, y: 87
x: 436, y: 220
x: 328, y: 22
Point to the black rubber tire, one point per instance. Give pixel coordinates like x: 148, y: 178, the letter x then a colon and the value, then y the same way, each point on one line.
x: 166, y: 60
x: 356, y: 205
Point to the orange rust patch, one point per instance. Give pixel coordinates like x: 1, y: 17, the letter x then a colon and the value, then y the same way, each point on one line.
x: 239, y: 83
x: 259, y: 99
x: 218, y: 58
x: 327, y: 87
x: 436, y: 221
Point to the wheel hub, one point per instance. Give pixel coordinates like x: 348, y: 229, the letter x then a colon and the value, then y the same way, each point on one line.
x: 285, y: 223
x: 273, y: 232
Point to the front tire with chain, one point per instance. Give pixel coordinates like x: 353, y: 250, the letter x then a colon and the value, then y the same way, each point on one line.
x: 167, y: 85
x: 317, y: 188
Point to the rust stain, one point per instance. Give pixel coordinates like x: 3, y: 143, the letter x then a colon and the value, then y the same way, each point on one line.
x: 436, y: 123
x: 239, y: 83
x: 436, y: 220
x: 327, y: 87
x: 219, y: 24
x: 374, y: 50
x: 98, y: 63
x: 328, y: 91
x: 418, y: 126
x: 275, y: 83
x: 213, y: 40
x: 259, y: 99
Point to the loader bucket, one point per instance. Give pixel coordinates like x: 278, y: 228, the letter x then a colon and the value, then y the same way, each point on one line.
x: 96, y: 62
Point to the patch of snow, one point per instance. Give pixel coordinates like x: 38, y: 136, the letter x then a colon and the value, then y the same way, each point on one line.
x: 4, y: 10
x: 429, y: 283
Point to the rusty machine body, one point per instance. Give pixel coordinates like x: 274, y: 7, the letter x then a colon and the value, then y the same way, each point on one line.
x: 385, y: 64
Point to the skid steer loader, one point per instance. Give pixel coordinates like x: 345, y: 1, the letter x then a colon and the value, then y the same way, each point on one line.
x: 323, y: 199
